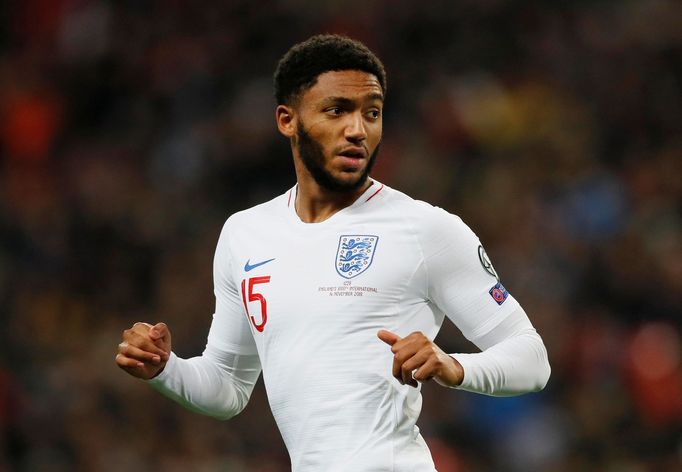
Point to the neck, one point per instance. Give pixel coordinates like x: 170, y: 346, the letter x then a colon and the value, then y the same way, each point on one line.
x: 314, y: 204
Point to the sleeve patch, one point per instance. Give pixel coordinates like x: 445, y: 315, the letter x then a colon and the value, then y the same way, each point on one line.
x: 485, y: 262
x: 499, y: 293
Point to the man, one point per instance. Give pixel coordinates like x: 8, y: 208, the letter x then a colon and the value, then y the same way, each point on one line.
x: 337, y: 289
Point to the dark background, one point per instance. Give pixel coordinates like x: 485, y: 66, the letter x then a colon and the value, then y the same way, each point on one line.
x: 130, y: 130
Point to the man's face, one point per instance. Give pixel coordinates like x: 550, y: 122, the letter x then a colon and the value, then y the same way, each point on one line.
x: 338, y: 129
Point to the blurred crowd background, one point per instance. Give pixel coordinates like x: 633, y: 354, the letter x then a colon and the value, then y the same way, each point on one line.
x: 131, y: 129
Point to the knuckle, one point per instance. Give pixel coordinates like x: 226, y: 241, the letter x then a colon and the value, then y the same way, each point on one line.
x: 428, y: 348
x: 129, y: 333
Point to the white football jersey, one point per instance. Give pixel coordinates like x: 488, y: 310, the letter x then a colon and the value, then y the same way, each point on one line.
x: 305, y: 302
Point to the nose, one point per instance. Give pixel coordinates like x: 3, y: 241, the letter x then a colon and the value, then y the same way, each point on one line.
x: 355, y: 131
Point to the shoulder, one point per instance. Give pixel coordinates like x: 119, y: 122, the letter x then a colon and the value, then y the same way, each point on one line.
x: 426, y: 220
x: 241, y: 225
x: 262, y: 214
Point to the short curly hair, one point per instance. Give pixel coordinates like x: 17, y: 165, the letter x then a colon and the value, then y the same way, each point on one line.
x: 300, y: 67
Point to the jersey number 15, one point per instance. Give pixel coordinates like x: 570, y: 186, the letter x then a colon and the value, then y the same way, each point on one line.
x: 253, y: 297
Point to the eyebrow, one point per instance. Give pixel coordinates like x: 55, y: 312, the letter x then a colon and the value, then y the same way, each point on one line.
x: 347, y: 101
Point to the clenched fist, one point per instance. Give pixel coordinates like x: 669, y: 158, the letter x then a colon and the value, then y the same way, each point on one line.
x: 145, y: 349
x: 418, y: 359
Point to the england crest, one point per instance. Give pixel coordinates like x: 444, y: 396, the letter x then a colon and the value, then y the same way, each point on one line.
x: 355, y: 254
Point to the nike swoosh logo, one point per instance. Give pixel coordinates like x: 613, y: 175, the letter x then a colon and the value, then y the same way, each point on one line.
x: 248, y: 267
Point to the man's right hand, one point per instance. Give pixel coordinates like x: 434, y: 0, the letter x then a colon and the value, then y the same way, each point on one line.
x: 145, y: 349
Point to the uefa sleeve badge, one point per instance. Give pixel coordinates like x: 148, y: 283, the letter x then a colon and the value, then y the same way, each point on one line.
x: 499, y: 293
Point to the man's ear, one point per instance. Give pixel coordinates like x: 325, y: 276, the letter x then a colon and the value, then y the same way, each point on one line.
x: 286, y: 120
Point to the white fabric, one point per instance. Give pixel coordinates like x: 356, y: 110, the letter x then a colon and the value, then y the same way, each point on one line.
x: 513, y: 361
x: 327, y: 375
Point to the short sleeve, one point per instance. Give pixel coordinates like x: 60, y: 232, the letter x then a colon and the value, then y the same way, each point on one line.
x: 461, y: 280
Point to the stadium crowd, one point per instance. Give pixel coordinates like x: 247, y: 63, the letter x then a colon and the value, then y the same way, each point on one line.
x: 130, y: 130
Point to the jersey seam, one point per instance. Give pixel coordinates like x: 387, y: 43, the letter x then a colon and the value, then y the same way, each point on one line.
x: 230, y: 253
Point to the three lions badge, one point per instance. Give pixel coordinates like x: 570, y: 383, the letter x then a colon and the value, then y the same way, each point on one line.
x: 355, y: 254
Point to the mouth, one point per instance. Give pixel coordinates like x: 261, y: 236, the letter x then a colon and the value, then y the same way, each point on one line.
x: 352, y: 158
x: 350, y: 162
x: 354, y: 153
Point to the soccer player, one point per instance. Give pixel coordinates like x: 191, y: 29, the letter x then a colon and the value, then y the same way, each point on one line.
x: 336, y: 289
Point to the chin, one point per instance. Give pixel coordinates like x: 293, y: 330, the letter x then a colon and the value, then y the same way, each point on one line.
x: 349, y: 183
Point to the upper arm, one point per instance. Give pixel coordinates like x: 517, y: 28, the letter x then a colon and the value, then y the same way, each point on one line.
x: 230, y: 329
x: 460, y: 282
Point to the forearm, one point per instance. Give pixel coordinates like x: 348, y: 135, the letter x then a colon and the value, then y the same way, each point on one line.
x: 214, y: 384
x: 513, y: 361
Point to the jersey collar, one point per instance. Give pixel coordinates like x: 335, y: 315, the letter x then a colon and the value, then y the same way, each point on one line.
x: 374, y: 189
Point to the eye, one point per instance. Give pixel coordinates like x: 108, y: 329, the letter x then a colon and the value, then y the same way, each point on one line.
x: 374, y: 114
x: 334, y: 111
